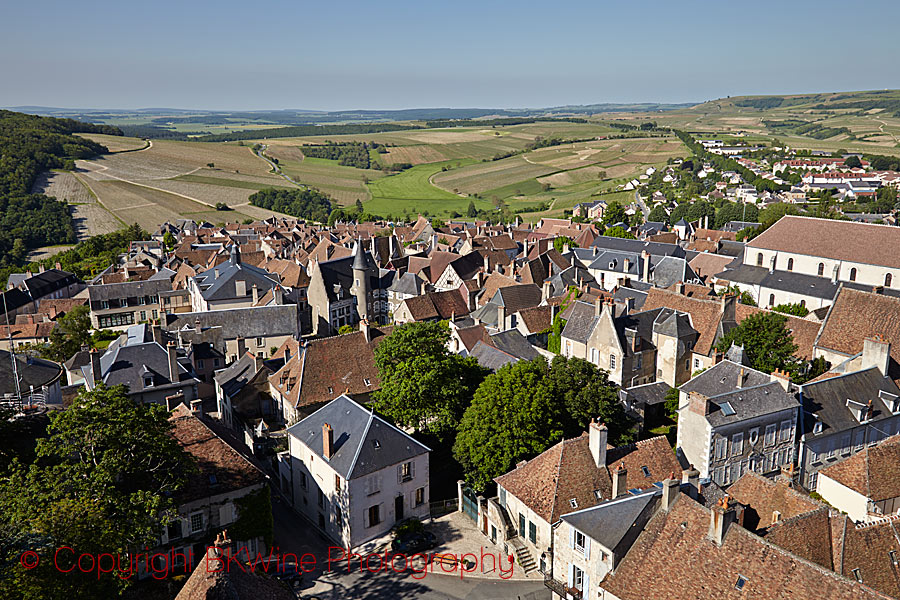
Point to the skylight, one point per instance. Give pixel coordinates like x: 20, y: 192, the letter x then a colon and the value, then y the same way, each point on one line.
x: 573, y: 503
x: 727, y: 409
x: 645, y: 471
x: 377, y: 444
x: 740, y: 583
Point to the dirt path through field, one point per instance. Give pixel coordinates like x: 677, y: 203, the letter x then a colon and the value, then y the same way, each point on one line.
x: 102, y: 169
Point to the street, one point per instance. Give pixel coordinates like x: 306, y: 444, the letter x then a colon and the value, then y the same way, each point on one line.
x: 294, y: 535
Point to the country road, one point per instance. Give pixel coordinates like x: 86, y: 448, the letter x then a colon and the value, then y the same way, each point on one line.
x: 275, y: 168
x: 641, y: 204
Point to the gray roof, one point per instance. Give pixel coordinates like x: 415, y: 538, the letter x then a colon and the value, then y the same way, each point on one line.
x: 490, y: 357
x: 674, y: 324
x: 792, y: 282
x: 249, y: 322
x: 648, y: 394
x: 737, y: 355
x: 636, y: 246
x: 622, y: 294
x: 749, y: 402
x: 128, y: 289
x: 237, y: 375
x: 580, y: 323
x: 513, y: 342
x: 408, y: 284
x: 486, y: 314
x: 826, y: 400
x: 35, y: 372
x: 219, y: 283
x: 608, y: 523
x: 669, y: 270
x: 363, y: 442
x: 723, y: 378
x: 517, y: 297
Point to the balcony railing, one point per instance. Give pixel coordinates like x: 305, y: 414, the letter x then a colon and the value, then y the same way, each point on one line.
x: 561, y: 589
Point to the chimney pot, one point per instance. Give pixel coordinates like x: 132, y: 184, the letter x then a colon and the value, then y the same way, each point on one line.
x: 671, y: 487
x: 327, y: 441
x: 173, y: 362
x: 598, y: 435
x: 619, y: 481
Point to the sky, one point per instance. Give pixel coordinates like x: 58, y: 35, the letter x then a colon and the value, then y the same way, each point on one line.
x: 346, y: 54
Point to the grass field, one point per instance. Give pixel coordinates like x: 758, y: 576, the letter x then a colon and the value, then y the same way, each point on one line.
x: 116, y: 143
x: 346, y: 185
x: 411, y: 191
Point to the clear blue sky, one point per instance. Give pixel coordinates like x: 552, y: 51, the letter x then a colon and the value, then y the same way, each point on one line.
x: 342, y: 54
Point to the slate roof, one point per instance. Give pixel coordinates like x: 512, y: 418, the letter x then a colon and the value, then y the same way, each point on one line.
x: 35, y: 372
x: 364, y: 443
x: 517, y: 297
x: 874, y: 472
x: 128, y: 289
x: 491, y: 357
x: 237, y: 375
x: 407, y: 284
x: 51, y: 280
x: 548, y: 482
x: 513, y: 342
x: 673, y: 559
x: 247, y: 322
x: 636, y: 246
x: 825, y: 400
x: 224, y: 286
x: 828, y: 238
x: 13, y: 299
x: 609, y: 522
x: 648, y: 394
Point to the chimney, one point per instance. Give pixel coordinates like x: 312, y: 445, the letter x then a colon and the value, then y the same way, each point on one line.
x: 546, y: 291
x: 196, y: 407
x: 772, y: 264
x: 776, y: 516
x: 173, y: 401
x: 501, y: 318
x: 255, y: 291
x: 327, y: 441
x: 216, y: 273
x: 679, y: 288
x: 364, y: 327
x: 434, y: 241
x: 173, y: 362
x: 692, y: 478
x: 598, y: 306
x: 740, y: 379
x: 834, y: 273
x: 619, y: 478
x: 479, y: 278
x: 728, y: 307
x: 487, y: 264
x: 782, y: 377
x: 278, y: 295
x: 156, y: 330
x: 878, y: 289
x: 95, y: 366
x: 598, y: 435
x: 671, y: 487
x: 57, y: 266
x: 627, y: 264
x: 698, y: 404
x: 645, y: 276
x: 721, y: 517
x: 41, y: 268
x: 876, y: 353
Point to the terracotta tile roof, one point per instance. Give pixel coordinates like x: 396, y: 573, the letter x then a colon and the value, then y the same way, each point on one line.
x: 703, y: 246
x: 548, y: 482
x: 828, y: 238
x: 492, y: 283
x: 692, y: 290
x: 58, y: 306
x: 233, y: 583
x: 764, y: 496
x: 214, y: 458
x: 27, y: 330
x: 328, y: 367
x: 472, y: 335
x: 436, y: 305
x: 714, y: 235
x: 707, y: 264
x: 674, y: 559
x: 874, y: 472
x: 536, y: 318
x: 856, y: 315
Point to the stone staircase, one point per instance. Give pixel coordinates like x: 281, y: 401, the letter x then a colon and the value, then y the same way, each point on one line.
x: 523, y: 556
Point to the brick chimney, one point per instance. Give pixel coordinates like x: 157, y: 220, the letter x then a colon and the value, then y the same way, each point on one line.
x: 740, y: 379
x: 197, y: 407
x: 619, y: 479
x: 598, y: 306
x: 679, y: 288
x: 327, y: 441
x: 691, y: 477
x: 722, y: 515
x: 698, y: 404
x: 876, y: 353
x: 546, y: 291
x: 364, y: 327
x: 671, y: 487
x: 173, y: 401
x: 173, y: 362
x: 598, y: 436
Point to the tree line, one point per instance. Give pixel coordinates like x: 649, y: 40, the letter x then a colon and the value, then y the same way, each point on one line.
x: 309, y: 204
x: 306, y: 130
x: 348, y: 154
x: 30, y: 145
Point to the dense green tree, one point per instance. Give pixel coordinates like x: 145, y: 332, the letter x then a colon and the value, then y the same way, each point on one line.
x: 795, y: 309
x: 423, y: 385
x: 673, y: 398
x: 766, y: 340
x: 73, y: 332
x: 852, y: 162
x: 658, y: 214
x: 526, y: 407
x: 614, y: 213
x: 618, y: 232
x: 307, y: 203
x: 169, y: 240
x: 471, y: 212
x: 562, y: 241
x: 735, y: 211
x: 105, y: 474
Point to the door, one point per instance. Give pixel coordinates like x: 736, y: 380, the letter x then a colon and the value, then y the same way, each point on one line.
x: 522, y: 525
x: 398, y: 508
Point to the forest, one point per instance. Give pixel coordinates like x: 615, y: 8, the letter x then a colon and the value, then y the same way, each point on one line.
x: 306, y: 130
x: 29, y: 145
x: 350, y: 154
x: 307, y: 204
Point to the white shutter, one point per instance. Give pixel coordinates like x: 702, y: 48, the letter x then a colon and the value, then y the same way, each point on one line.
x: 412, y: 469
x: 571, y: 537
x: 226, y: 514
x: 400, y: 473
x: 571, y: 574
x: 586, y: 586
x: 587, y: 547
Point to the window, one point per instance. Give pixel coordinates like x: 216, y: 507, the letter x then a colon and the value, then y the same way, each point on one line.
x: 784, y: 434
x: 303, y: 483
x: 321, y: 500
x: 740, y: 583
x: 196, y: 522
x: 260, y: 341
x: 612, y: 361
x: 215, y: 362
x: 148, y: 381
x: 754, y: 436
x: 696, y: 363
x: 374, y: 514
x: 821, y: 269
x: 737, y: 444
x: 687, y: 365
x: 888, y: 278
x: 639, y: 361
x: 337, y: 482
x: 721, y: 445
x: 573, y: 503
x: 174, y: 529
x: 143, y: 315
x: 813, y: 479
x: 860, y: 439
x: 857, y: 574
x: 199, y: 364
x: 759, y: 259
x: 845, y: 443
x: 790, y: 266
x: 579, y: 542
x: 521, y: 525
x: 853, y: 274
x: 532, y: 532
x: 594, y: 355
x: 770, y: 435
x: 338, y: 519
x: 406, y: 472
x: 420, y: 496
x: 645, y: 471
x: 578, y: 578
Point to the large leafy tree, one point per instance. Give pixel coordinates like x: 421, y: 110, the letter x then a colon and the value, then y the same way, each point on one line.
x: 424, y: 385
x: 73, y: 332
x: 103, y: 478
x: 614, y: 213
x: 526, y: 407
x: 766, y: 340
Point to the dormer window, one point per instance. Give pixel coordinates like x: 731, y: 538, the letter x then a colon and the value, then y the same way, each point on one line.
x: 891, y: 400
x: 645, y: 471
x: 860, y: 411
x: 148, y: 381
x: 857, y: 575
x: 817, y: 428
x: 573, y: 503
